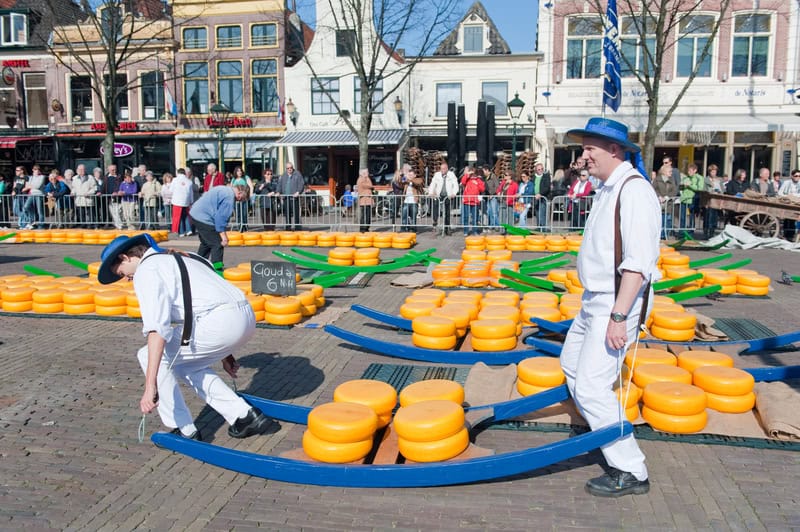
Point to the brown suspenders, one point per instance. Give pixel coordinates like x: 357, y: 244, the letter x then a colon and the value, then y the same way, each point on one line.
x: 618, y: 257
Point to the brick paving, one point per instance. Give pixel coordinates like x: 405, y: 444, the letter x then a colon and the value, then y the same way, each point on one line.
x: 70, y: 459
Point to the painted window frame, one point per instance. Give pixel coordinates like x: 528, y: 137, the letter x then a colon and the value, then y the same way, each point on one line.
x: 321, y: 95
x: 231, y: 80
x: 481, y: 47
x: 443, y: 104
x: 254, y: 77
x: 706, y: 71
x: 255, y: 25
x: 7, y: 29
x: 500, y: 106
x: 750, y: 36
x: 28, y: 99
x: 230, y: 42
x: 584, y: 39
x: 194, y: 48
x: 377, y: 96
x: 158, y: 88
x: 198, y: 80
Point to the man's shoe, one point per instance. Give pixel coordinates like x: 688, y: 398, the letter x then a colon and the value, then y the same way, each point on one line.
x: 254, y: 422
x: 196, y: 436
x: 617, y: 483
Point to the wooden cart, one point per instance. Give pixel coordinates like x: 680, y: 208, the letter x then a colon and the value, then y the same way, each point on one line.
x: 760, y: 216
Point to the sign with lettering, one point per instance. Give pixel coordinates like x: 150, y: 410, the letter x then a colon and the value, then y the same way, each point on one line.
x: 270, y: 277
x: 120, y: 149
x: 121, y: 126
x: 230, y: 122
x: 18, y: 63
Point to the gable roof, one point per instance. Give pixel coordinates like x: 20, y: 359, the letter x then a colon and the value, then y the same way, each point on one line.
x: 44, y: 15
x: 497, y: 45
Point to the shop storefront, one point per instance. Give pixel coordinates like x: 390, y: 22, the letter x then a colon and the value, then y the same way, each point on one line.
x: 253, y: 155
x: 26, y: 151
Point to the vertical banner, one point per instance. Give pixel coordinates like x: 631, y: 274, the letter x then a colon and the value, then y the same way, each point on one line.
x: 612, y: 82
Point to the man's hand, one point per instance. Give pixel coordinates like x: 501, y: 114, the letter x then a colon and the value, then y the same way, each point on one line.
x: 616, y: 334
x: 230, y: 365
x: 149, y: 400
x: 224, y: 238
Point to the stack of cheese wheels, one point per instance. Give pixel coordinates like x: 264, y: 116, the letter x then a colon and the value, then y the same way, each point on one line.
x: 288, y: 238
x: 282, y: 310
x: 725, y: 279
x: 752, y: 284
x: 645, y: 374
x: 89, y: 237
x: 467, y: 300
x: 307, y: 299
x: 73, y: 237
x: 446, y: 274
x: 251, y: 239
x: 727, y: 389
x: 538, y: 374
x: 326, y: 240
x: 674, y: 407
x: 345, y: 240
x: 431, y: 431
x: 557, y: 276
x: 433, y: 332
x: 59, y: 236
x: 570, y: 305
x: 93, y: 268
x: 305, y: 238
x: 460, y: 315
x: 382, y: 240
x: 132, y: 306
x: 574, y: 242
x: 317, y: 290
x: 257, y: 303
x: 535, y: 243
x: 363, y: 240
x: 495, y: 242
x: 673, y: 326
x: 542, y: 305
x: 366, y: 257
x: 629, y: 396
x: 516, y: 243
x: 48, y: 301
x: 499, y: 309
x: 235, y: 238
x: 475, y: 243
x: 667, y: 259
x: 111, y: 303
x: 475, y: 274
x: 473, y: 254
x: 270, y: 238
x: 403, y: 240
x: 18, y: 299
x: 340, y: 432
x: 493, y: 334
x: 80, y: 302
x: 42, y: 236
x: 691, y: 360
x: 500, y: 254
x: 341, y: 256
x: 556, y: 243
x: 379, y: 396
x: 573, y: 282
x: 432, y: 390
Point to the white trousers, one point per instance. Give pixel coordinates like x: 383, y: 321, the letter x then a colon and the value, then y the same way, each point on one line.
x: 217, y: 334
x: 592, y: 368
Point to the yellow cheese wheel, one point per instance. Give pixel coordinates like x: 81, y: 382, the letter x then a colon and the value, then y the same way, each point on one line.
x: 645, y: 374
x: 366, y: 262
x: 463, y: 305
x: 47, y: 308
x: 632, y: 413
x: 434, y: 451
x: 78, y: 308
x: 755, y: 280
x: 116, y: 310
x: 674, y: 320
x: 435, y: 342
x: 18, y: 294
x: 342, y: 422
x: 316, y: 289
x: 319, y: 302
x: 340, y: 262
x: 629, y: 395
x: 502, y: 312
x: 666, y: 307
x: 17, y: 306
x: 53, y: 295
x: 423, y: 298
x: 691, y: 360
x: 541, y: 371
x: 672, y: 423
x: 434, y: 292
x: 471, y: 296
x: 448, y: 282
x: 675, y: 259
x: 526, y: 389
x: 379, y: 396
x: 136, y: 312
x: 306, y: 297
x: 474, y: 240
x: 674, y: 398
x: 282, y: 305
x: 445, y: 272
x: 731, y: 404
x: 545, y: 313
x: 724, y: 278
x: 494, y: 344
x: 672, y: 335
x: 111, y: 298
x: 493, y: 328
x: 547, y: 299
x: 308, y: 310
x: 413, y: 310
x: 236, y: 274
x: 752, y: 290
x: 342, y: 253
x: 335, y: 453
x: 433, y: 326
x: 459, y: 314
x: 282, y: 319
x: 501, y: 254
x: 727, y: 289
x: 429, y: 420
x: 723, y: 381
x: 430, y: 390
x: 79, y: 297
x: 555, y: 275
x: 472, y: 254
x: 510, y: 298
x: 12, y: 277
x: 649, y: 356
x: 257, y: 302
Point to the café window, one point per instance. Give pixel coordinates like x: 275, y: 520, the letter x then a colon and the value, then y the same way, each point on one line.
x: 195, y: 88
x: 80, y: 98
x: 496, y: 92
x: 229, y: 37
x: 152, y: 95
x: 14, y: 29
x: 35, y: 99
x: 324, y: 96
x: 377, y: 96
x: 264, y: 35
x: 118, y: 91
x: 229, y: 84
x: 446, y: 93
x: 265, y: 85
x: 195, y: 38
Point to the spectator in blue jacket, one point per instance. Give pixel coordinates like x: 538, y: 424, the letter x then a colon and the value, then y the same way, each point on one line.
x: 57, y: 191
x: 210, y: 215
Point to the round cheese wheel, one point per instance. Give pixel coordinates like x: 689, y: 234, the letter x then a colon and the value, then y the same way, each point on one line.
x: 256, y: 302
x: 535, y: 246
x: 305, y: 297
x: 366, y: 262
x: 675, y: 259
x: 672, y: 423
x: 53, y: 295
x: 645, y: 374
x: 471, y: 296
x: 47, y: 308
x: 379, y: 396
x: 632, y: 413
x: 131, y: 300
x: 510, y: 298
x: 547, y: 299
x: 752, y: 290
x: 115, y: 310
x: 308, y: 310
x: 731, y: 404
x: 754, y: 280
x: 491, y: 329
x: 541, y: 371
x: 666, y: 307
x: 672, y: 335
x: 633, y: 396
x: 649, y: 356
x: 413, y: 310
x: 236, y: 274
x: 434, y: 292
x: 282, y: 305
x: 319, y: 302
x: 691, y: 360
x: 340, y: 262
x: 342, y: 253
x: 78, y: 308
x: 435, y: 342
x: 112, y: 298
x: 342, y: 422
x: 555, y: 275
x: 545, y: 313
x: 282, y: 319
x: 462, y: 305
x: 18, y: 294
x: 494, y: 344
x: 474, y: 282
x: 459, y: 314
x: 316, y: 289
x: 335, y: 453
x: 434, y: 451
x: 432, y: 389
x: 12, y: 277
x: 429, y: 420
x: 136, y: 312
x: 501, y: 312
x: 472, y: 254
x: 423, y: 298
x: 526, y: 389
x: 674, y: 320
x: 17, y: 306
x: 433, y: 326
x: 501, y: 254
x: 675, y: 398
x: 452, y: 282
x: 728, y: 289
x: 724, y: 278
x: 445, y: 272
x: 723, y: 381
x: 79, y: 297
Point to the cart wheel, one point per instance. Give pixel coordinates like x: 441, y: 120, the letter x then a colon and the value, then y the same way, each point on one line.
x: 761, y: 224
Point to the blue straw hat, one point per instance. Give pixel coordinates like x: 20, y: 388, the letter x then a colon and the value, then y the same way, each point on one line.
x: 607, y: 129
x: 121, y: 244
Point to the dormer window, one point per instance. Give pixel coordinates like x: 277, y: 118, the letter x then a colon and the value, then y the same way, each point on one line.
x: 473, y: 39
x: 14, y: 29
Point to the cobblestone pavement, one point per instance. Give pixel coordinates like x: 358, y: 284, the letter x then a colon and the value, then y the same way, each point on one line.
x: 70, y: 459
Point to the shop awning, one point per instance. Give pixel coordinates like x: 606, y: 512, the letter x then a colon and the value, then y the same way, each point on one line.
x: 7, y: 143
x: 776, y: 122
x: 340, y: 137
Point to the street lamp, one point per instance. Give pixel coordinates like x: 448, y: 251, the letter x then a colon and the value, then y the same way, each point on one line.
x: 398, y: 107
x: 219, y: 117
x: 515, y: 107
x: 291, y: 109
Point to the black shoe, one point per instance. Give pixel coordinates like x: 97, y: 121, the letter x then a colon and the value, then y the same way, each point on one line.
x: 196, y: 436
x: 253, y: 423
x: 617, y: 483
x: 447, y: 232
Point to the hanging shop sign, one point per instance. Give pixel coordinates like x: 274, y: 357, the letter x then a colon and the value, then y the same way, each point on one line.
x: 120, y: 149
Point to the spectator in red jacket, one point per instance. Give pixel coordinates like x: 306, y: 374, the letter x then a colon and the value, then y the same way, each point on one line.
x: 213, y: 178
x: 507, y: 195
x: 473, y: 188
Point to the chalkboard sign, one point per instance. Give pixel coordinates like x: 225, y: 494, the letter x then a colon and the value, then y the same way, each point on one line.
x: 275, y: 278
x: 786, y: 167
x: 315, y: 168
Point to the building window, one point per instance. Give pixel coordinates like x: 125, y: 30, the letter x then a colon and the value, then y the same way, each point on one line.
x: 265, y: 85
x: 195, y: 38
x: 695, y: 32
x: 323, y: 90
x: 446, y: 93
x: 121, y: 109
x: 345, y: 43
x: 751, y: 44
x: 473, y: 39
x: 496, y: 92
x: 35, y: 99
x: 377, y: 96
x: 264, y: 35
x: 584, y: 45
x: 229, y: 37
x: 14, y: 29
x: 195, y: 88
x: 80, y: 97
x: 634, y: 56
x: 152, y: 95
x: 229, y: 84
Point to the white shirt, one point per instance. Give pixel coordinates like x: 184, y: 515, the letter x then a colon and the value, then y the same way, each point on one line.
x: 182, y: 194
x: 789, y: 188
x: 640, y: 227
x: 438, y: 182
x: 157, y: 283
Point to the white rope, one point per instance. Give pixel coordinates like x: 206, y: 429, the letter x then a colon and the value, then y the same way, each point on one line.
x: 141, y: 431
x: 624, y: 402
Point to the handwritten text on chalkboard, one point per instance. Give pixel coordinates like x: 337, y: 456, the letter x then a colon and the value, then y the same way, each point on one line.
x: 273, y: 278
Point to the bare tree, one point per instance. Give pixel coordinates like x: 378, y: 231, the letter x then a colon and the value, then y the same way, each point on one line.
x: 373, y: 33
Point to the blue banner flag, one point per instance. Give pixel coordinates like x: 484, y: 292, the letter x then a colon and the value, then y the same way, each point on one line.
x: 612, y: 82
